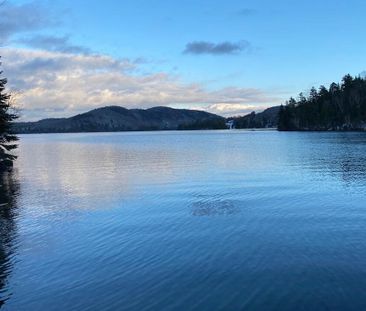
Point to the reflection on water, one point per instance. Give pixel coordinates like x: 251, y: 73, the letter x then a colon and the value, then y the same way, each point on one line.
x: 206, y: 220
x: 86, y: 167
x: 8, y: 213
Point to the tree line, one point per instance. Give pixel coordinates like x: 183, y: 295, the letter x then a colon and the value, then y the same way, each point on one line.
x: 7, y: 115
x: 342, y: 106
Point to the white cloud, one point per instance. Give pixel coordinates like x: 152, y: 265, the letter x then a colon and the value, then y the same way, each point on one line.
x: 61, y: 84
x: 234, y: 109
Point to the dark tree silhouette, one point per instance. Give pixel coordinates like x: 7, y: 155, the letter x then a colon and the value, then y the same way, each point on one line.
x: 265, y: 119
x: 7, y: 116
x: 341, y: 107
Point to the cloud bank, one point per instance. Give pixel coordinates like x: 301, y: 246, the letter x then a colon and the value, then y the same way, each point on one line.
x: 54, y: 84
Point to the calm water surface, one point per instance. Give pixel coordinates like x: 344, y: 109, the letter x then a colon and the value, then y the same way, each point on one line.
x: 208, y: 220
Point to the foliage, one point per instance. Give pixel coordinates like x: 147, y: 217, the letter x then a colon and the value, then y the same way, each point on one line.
x: 7, y: 116
x: 207, y: 124
x: 340, y: 107
x: 266, y: 119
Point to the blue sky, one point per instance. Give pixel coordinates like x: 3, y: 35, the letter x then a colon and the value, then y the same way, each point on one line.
x: 249, y: 54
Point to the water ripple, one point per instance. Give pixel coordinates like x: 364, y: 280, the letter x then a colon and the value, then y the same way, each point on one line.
x: 221, y: 220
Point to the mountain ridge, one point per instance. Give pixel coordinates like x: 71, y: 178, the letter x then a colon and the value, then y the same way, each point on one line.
x: 117, y: 118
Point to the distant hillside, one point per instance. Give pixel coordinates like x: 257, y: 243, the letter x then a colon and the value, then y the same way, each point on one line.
x: 341, y: 107
x: 115, y: 118
x: 266, y: 119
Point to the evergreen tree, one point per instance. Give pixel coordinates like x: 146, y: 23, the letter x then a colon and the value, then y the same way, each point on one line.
x: 7, y: 116
x: 341, y: 107
x: 285, y: 116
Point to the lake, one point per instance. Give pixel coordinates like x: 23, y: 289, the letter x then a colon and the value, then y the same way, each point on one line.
x: 201, y: 220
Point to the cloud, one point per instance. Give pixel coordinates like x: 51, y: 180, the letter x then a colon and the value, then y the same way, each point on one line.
x: 22, y: 18
x: 31, y: 17
x: 55, y: 84
x: 246, y: 12
x: 204, y: 47
x: 233, y: 109
x: 53, y: 43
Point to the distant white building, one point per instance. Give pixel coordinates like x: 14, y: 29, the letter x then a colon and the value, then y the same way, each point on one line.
x: 230, y: 124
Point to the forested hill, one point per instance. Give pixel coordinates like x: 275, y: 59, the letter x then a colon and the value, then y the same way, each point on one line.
x: 265, y: 119
x: 115, y: 118
x: 339, y: 107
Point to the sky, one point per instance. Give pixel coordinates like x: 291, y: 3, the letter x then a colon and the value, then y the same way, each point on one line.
x: 64, y: 57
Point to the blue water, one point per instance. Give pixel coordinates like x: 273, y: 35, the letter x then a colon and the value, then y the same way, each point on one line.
x: 207, y: 220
